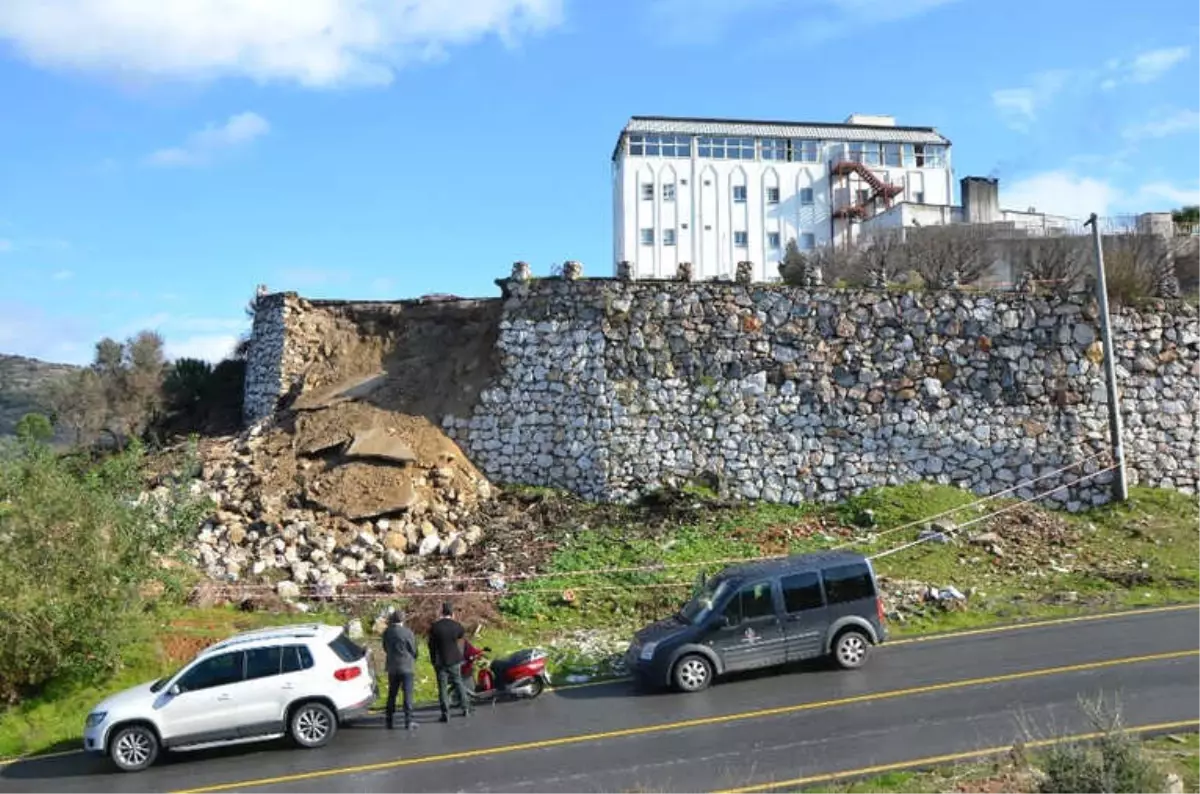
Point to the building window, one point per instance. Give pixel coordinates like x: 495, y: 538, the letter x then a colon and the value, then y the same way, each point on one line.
x: 772, y: 195
x: 806, y: 196
x: 668, y: 237
x: 648, y: 191
x: 773, y: 240
x: 726, y: 148
x: 669, y: 191
x: 865, y: 153
x: 741, y: 239
x: 930, y: 156
x: 804, y: 151
x: 739, y: 193
x: 647, y: 237
x: 808, y: 241
x: 774, y: 149
x: 862, y: 195
x: 651, y: 145
x: 919, y: 197
x: 891, y: 155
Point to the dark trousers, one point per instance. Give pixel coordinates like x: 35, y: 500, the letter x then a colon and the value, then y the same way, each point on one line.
x: 397, y: 682
x: 451, y: 676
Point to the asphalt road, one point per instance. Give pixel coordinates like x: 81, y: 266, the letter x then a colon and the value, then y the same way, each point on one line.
x: 914, y: 699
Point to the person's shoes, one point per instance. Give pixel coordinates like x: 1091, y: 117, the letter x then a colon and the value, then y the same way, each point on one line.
x: 444, y: 718
x: 389, y: 726
x: 412, y: 726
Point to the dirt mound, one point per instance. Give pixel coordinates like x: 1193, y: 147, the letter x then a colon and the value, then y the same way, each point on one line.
x: 338, y: 491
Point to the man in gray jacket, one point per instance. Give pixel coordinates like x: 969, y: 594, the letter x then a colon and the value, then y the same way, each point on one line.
x: 401, y: 648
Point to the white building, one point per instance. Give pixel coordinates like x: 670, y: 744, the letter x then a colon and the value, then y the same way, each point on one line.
x: 717, y: 192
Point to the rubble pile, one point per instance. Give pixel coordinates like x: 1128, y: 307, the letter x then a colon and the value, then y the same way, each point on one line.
x: 337, y: 491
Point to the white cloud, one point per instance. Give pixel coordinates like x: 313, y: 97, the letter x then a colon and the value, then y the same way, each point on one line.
x: 1155, y: 196
x: 1060, y: 193
x: 207, y: 347
x: 316, y: 43
x: 63, y: 275
x: 201, y: 147
x: 1144, y: 68
x: 1067, y: 193
x: 1019, y: 107
x: 5, y: 246
x: 1165, y: 125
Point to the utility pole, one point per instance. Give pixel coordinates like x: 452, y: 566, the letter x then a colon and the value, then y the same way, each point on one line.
x: 1121, y: 483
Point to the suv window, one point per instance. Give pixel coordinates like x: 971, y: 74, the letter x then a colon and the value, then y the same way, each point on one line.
x: 296, y: 658
x: 753, y: 601
x: 851, y: 582
x: 346, y: 649
x: 802, y: 591
x: 263, y: 662
x: 217, y: 671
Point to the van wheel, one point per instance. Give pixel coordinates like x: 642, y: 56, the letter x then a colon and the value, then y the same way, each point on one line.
x: 692, y: 673
x: 313, y: 725
x: 851, y: 649
x: 133, y: 748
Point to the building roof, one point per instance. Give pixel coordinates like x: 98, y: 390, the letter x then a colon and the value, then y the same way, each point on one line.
x: 779, y: 129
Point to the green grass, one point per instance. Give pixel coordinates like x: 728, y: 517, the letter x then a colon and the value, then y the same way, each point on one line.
x: 1152, y: 541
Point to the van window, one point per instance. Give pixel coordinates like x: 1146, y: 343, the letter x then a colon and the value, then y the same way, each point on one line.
x: 851, y: 582
x: 802, y: 591
x: 753, y: 601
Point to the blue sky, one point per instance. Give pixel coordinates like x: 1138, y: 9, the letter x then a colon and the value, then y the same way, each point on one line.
x: 158, y: 160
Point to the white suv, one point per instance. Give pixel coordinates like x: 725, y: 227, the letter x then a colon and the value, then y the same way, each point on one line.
x: 259, y: 685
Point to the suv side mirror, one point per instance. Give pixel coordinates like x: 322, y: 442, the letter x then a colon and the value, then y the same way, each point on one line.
x: 175, y: 690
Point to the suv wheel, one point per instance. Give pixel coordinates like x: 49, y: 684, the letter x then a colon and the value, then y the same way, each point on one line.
x: 851, y: 649
x: 313, y: 725
x: 692, y: 673
x: 133, y: 748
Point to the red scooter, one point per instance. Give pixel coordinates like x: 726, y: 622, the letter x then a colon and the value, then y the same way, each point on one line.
x: 521, y: 675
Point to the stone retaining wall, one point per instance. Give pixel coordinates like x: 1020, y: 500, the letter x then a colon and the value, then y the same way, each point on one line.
x: 791, y: 394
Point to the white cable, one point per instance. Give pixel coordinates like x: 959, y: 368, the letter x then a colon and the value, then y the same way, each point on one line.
x: 989, y: 516
x: 875, y: 536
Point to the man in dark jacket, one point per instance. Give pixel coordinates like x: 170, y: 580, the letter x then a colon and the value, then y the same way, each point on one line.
x: 401, y: 648
x: 446, y: 637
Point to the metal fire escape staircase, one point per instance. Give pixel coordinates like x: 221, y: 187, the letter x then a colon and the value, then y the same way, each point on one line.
x: 854, y: 210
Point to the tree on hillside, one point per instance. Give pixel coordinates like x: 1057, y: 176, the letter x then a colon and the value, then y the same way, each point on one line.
x: 1188, y: 214
x: 1063, y: 260
x: 78, y: 402
x: 935, y: 253
x: 882, y: 259
x: 791, y: 269
x: 1138, y: 266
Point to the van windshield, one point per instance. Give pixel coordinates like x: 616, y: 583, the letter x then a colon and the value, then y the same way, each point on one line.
x: 701, y: 606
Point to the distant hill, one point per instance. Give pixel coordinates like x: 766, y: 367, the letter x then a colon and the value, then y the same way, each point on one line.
x: 22, y: 381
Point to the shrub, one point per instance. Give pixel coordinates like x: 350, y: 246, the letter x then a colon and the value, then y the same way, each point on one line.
x: 1114, y: 763
x: 79, y: 547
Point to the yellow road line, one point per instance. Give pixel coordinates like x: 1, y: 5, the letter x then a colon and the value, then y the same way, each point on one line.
x: 892, y: 643
x: 693, y: 723
x: 949, y: 758
x: 9, y: 761
x: 950, y: 635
